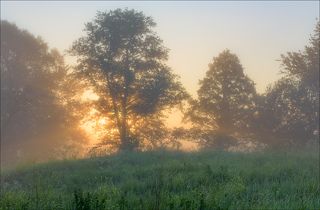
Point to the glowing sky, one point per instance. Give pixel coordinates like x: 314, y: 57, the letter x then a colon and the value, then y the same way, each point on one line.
x: 258, y: 32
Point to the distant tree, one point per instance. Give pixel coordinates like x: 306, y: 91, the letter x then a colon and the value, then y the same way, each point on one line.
x: 304, y: 66
x: 289, y: 111
x: 31, y: 115
x: 303, y: 69
x: 124, y: 59
x: 278, y: 121
x: 225, y: 102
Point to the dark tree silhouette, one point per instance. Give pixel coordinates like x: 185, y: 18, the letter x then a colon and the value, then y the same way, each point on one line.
x: 124, y: 59
x: 225, y: 102
x: 289, y: 111
x: 303, y: 68
x: 31, y: 115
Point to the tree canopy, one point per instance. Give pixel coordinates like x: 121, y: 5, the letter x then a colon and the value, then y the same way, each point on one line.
x: 124, y: 59
x: 31, y: 114
x: 289, y: 110
x: 225, y: 100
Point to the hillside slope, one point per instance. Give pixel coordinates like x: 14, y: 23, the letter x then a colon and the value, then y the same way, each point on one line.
x: 168, y: 180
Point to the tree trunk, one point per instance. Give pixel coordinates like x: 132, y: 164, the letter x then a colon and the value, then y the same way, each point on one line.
x: 124, y: 137
x: 121, y: 124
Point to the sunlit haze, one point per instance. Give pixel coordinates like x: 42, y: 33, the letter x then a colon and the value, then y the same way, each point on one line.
x: 195, y: 32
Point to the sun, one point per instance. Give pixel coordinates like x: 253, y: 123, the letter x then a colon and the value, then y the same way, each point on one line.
x: 94, y: 125
x: 89, y: 95
x: 102, y: 121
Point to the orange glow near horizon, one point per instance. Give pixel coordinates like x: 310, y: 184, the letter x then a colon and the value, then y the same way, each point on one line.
x: 94, y: 128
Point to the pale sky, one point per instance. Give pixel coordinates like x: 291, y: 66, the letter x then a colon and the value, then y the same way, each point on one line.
x: 195, y: 32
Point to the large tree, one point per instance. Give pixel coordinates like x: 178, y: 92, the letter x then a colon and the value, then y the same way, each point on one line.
x: 124, y: 59
x: 32, y: 116
x: 225, y: 101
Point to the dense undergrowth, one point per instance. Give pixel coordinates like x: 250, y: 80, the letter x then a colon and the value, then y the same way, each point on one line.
x: 167, y: 180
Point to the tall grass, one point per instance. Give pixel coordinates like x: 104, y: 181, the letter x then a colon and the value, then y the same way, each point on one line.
x: 168, y: 180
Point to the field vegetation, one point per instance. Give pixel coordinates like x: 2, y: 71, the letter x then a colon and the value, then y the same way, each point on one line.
x: 168, y: 180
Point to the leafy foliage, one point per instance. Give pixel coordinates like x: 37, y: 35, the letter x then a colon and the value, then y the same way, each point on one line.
x: 226, y: 102
x: 31, y: 113
x: 289, y: 110
x: 124, y: 59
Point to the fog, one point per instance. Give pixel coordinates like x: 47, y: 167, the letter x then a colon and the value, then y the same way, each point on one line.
x: 121, y: 95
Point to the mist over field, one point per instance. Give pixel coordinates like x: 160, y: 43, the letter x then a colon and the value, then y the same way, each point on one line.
x: 110, y: 123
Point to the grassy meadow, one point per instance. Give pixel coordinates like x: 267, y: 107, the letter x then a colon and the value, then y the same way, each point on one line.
x: 167, y: 180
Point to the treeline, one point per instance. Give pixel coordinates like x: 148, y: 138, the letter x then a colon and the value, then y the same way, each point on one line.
x: 123, y: 61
